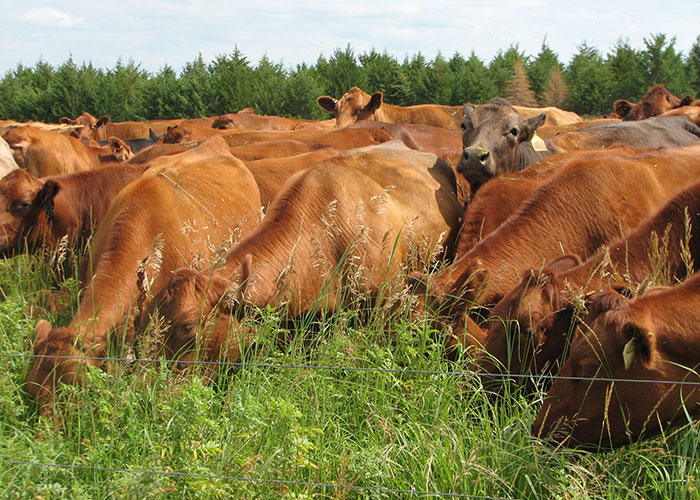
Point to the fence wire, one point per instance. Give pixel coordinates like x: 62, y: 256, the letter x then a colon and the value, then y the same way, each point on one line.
x: 400, y: 371
x: 281, y: 482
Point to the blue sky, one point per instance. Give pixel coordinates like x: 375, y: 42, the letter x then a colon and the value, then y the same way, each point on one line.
x: 154, y: 33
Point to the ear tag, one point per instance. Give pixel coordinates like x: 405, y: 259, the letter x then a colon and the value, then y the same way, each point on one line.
x: 629, y: 352
x: 538, y: 143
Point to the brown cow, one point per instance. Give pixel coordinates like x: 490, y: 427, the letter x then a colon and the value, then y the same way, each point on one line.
x: 579, y: 209
x: 657, y: 101
x: 177, y: 215
x: 555, y: 117
x: 7, y: 161
x: 251, y: 121
x: 37, y: 212
x: 528, y: 330
x: 651, y: 347
x: 345, y: 226
x: 45, y: 152
x: 357, y: 105
x: 89, y: 127
x: 139, y: 130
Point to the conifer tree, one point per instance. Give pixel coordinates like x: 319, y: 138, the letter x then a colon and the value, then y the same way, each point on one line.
x: 662, y: 64
x: 556, y: 92
x: 626, y: 64
x: 693, y: 68
x: 538, y: 71
x: 518, y: 91
x: 501, y: 67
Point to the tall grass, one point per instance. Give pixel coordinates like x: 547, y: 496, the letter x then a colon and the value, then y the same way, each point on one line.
x: 384, y: 428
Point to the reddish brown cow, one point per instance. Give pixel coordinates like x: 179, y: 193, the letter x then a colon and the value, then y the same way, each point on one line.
x: 555, y: 117
x: 657, y: 101
x: 45, y: 152
x: 89, y: 127
x: 357, y: 105
x: 346, y: 225
x: 530, y: 327
x: 43, y: 211
x: 251, y: 121
x: 651, y: 347
x: 139, y: 130
x: 581, y: 208
x: 176, y: 215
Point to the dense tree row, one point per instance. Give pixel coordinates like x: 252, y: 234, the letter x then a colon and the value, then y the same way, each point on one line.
x: 588, y: 84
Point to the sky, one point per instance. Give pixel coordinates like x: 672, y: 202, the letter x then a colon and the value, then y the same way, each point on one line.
x: 160, y: 32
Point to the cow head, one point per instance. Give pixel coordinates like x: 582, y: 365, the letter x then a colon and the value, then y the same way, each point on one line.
x: 59, y: 362
x: 621, y: 339
x: 120, y: 149
x: 528, y: 328
x: 198, y: 311
x: 491, y: 135
x: 18, y: 192
x: 355, y: 105
x: 89, y: 126
x: 657, y: 100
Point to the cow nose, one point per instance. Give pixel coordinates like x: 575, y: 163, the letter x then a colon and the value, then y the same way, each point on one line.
x: 483, y: 156
x: 480, y: 155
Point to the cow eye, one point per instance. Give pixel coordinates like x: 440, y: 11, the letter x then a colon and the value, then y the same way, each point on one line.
x: 463, y: 126
x: 588, y: 370
x: 514, y: 131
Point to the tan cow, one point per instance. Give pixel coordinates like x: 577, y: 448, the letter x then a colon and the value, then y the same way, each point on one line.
x: 356, y: 105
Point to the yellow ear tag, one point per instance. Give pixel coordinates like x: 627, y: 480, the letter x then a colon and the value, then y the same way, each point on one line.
x: 538, y: 143
x: 629, y: 353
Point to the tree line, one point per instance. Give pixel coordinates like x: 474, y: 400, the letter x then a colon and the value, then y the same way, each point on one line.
x: 588, y: 84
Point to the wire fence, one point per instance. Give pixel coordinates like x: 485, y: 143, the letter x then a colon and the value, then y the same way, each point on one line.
x: 280, y: 366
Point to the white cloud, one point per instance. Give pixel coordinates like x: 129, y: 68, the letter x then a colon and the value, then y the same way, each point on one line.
x: 46, y: 16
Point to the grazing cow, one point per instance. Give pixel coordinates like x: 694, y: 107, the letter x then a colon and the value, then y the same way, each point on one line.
x: 345, y: 226
x: 45, y: 152
x: 633, y: 368
x: 88, y: 127
x: 7, y: 161
x: 657, y: 101
x: 542, y: 305
x: 36, y: 212
x: 357, y: 105
x: 587, y: 204
x: 175, y: 215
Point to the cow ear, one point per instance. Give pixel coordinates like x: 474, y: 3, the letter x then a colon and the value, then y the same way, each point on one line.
x: 375, y: 101
x: 41, y: 331
x: 468, y: 108
x: 622, y: 107
x: 640, y: 346
x: 45, y: 197
x: 66, y: 121
x: 533, y: 123
x: 328, y: 103
x: 102, y: 121
x: 231, y: 295
x: 563, y: 263
x: 686, y: 101
x: 417, y: 283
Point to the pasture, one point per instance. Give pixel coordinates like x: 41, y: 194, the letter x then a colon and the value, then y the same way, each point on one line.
x: 356, y: 405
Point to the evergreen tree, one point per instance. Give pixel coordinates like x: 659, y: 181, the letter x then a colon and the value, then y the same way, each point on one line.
x: 198, y: 95
x: 268, y: 78
x: 589, y: 82
x: 693, y: 68
x: 518, y: 91
x: 662, y: 64
x: 417, y: 82
x: 161, y: 96
x: 231, y: 79
x: 340, y: 73
x: 540, y: 68
x: 501, y: 67
x: 626, y: 64
x: 473, y: 81
x: 441, y: 81
x: 67, y: 92
x: 121, y: 90
x: 555, y: 93
x: 382, y: 72
x: 300, y: 91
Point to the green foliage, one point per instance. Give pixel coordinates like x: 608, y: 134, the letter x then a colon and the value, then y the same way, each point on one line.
x: 626, y: 64
x: 589, y: 82
x: 230, y: 82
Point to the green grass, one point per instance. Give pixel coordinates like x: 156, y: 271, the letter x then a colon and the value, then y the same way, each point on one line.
x: 373, y: 430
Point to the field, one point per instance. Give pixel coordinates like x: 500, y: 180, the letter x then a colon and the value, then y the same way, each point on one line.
x: 356, y: 405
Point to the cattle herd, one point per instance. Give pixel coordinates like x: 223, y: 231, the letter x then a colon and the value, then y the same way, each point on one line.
x: 533, y: 239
